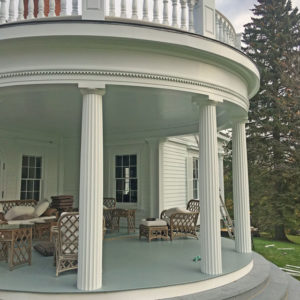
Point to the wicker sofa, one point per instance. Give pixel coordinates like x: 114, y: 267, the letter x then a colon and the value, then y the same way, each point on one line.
x: 183, y: 224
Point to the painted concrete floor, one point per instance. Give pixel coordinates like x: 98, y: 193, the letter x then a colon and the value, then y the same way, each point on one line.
x: 128, y: 263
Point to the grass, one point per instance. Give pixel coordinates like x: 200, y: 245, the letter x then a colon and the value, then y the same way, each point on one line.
x: 277, y: 256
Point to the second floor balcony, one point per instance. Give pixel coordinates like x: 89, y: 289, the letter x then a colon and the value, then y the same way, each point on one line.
x: 187, y: 16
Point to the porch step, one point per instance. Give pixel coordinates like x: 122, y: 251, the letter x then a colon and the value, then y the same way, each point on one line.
x: 264, y: 282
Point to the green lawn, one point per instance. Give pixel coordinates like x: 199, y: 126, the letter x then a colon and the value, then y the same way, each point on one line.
x: 277, y: 256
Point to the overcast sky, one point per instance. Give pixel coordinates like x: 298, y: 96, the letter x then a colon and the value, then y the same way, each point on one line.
x: 238, y: 11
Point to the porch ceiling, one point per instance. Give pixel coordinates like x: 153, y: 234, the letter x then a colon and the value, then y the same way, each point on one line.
x: 128, y: 112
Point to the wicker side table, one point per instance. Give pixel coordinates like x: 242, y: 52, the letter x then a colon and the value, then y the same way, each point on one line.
x: 157, y: 229
x: 15, y: 244
x: 129, y: 214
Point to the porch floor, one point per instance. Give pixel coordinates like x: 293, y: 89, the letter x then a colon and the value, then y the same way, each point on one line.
x: 128, y: 263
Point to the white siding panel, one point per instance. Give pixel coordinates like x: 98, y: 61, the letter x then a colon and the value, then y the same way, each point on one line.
x: 174, y: 175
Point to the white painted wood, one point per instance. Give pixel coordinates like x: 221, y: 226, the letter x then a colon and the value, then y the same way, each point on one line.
x: 221, y: 174
x: 123, y: 9
x: 3, y: 4
x: 30, y: 9
x: 41, y: 13
x: 75, y: 8
x: 183, y: 14
x: 145, y: 11
x: 91, y: 192
x: 112, y: 8
x: 155, y: 11
x: 191, y: 5
x: 63, y: 4
x: 134, y: 14
x: 11, y: 11
x: 240, y: 189
x: 166, y: 12
x: 51, y: 8
x: 20, y: 10
x: 174, y: 13
x: 93, y: 9
x: 210, y: 246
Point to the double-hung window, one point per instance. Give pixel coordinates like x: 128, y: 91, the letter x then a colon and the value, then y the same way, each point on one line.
x: 31, y: 177
x: 126, y: 178
x: 195, y: 178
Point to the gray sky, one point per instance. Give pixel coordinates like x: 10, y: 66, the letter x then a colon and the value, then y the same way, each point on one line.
x: 238, y: 11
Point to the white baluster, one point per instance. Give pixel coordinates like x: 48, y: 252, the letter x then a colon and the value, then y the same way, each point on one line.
x: 3, y: 11
x: 74, y: 7
x: 21, y: 10
x: 51, y: 8
x: 112, y: 8
x: 191, y: 5
x: 155, y: 11
x: 11, y: 11
x: 145, y: 11
x: 166, y: 12
x: 183, y: 14
x: 134, y: 14
x: 123, y: 8
x: 174, y: 13
x: 221, y: 32
x: 41, y: 9
x: 30, y: 9
x: 63, y: 4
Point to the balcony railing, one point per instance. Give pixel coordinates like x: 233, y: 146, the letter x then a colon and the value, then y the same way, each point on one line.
x: 166, y: 13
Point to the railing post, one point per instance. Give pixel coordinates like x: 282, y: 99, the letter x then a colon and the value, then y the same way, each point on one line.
x: 21, y: 10
x: 30, y: 9
x: 93, y: 9
x: 145, y: 11
x: 11, y: 11
x: 166, y: 12
x: 183, y: 14
x: 155, y: 11
x: 2, y: 11
x: 41, y: 9
x: 174, y: 13
x: 191, y: 5
x: 134, y: 14
x: 204, y: 18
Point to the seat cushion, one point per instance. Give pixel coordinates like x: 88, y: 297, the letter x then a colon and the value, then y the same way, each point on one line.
x: 19, y: 211
x: 157, y: 222
x: 45, y: 248
x: 175, y: 210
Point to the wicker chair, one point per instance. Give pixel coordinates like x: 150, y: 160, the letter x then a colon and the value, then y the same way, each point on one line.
x: 181, y: 224
x: 193, y: 205
x: 66, y: 242
x: 108, y: 211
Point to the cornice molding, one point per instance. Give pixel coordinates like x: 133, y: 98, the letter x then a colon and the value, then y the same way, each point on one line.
x: 123, y: 74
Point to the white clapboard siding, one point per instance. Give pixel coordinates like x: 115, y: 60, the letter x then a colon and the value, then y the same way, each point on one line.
x: 174, y: 175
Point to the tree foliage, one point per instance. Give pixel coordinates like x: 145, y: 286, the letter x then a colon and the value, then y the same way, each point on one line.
x: 272, y: 40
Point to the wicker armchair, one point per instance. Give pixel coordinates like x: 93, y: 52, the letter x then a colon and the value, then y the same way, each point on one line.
x: 181, y: 224
x: 193, y: 205
x: 108, y: 211
x: 66, y: 242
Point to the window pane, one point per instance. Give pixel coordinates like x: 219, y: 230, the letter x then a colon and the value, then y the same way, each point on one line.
x: 133, y: 160
x: 24, y: 172
x: 120, y: 184
x: 23, y: 185
x: 38, y: 173
x: 36, y: 185
x: 23, y: 196
x: 132, y: 171
x: 36, y: 196
x: 30, y: 185
x: 25, y: 161
x: 118, y: 160
x: 31, y: 173
x: 126, y: 160
x: 38, y: 161
x: 133, y: 184
x: 32, y: 161
x: 126, y: 198
x: 133, y: 196
x: 119, y: 172
x: 119, y: 196
x: 29, y: 195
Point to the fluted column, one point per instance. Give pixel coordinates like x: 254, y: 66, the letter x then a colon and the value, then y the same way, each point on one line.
x: 91, y: 192
x: 240, y: 189
x: 210, y: 237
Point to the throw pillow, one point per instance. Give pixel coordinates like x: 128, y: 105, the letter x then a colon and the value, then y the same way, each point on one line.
x: 41, y: 208
x: 17, y: 211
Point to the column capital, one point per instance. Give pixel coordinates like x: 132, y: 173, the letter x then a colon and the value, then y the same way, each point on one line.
x: 239, y: 120
x: 205, y: 100
x: 87, y: 88
x: 88, y: 91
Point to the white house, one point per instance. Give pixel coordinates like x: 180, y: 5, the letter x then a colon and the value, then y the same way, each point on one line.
x: 99, y: 102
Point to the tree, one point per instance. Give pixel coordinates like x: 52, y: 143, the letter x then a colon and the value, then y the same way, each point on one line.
x: 272, y: 40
